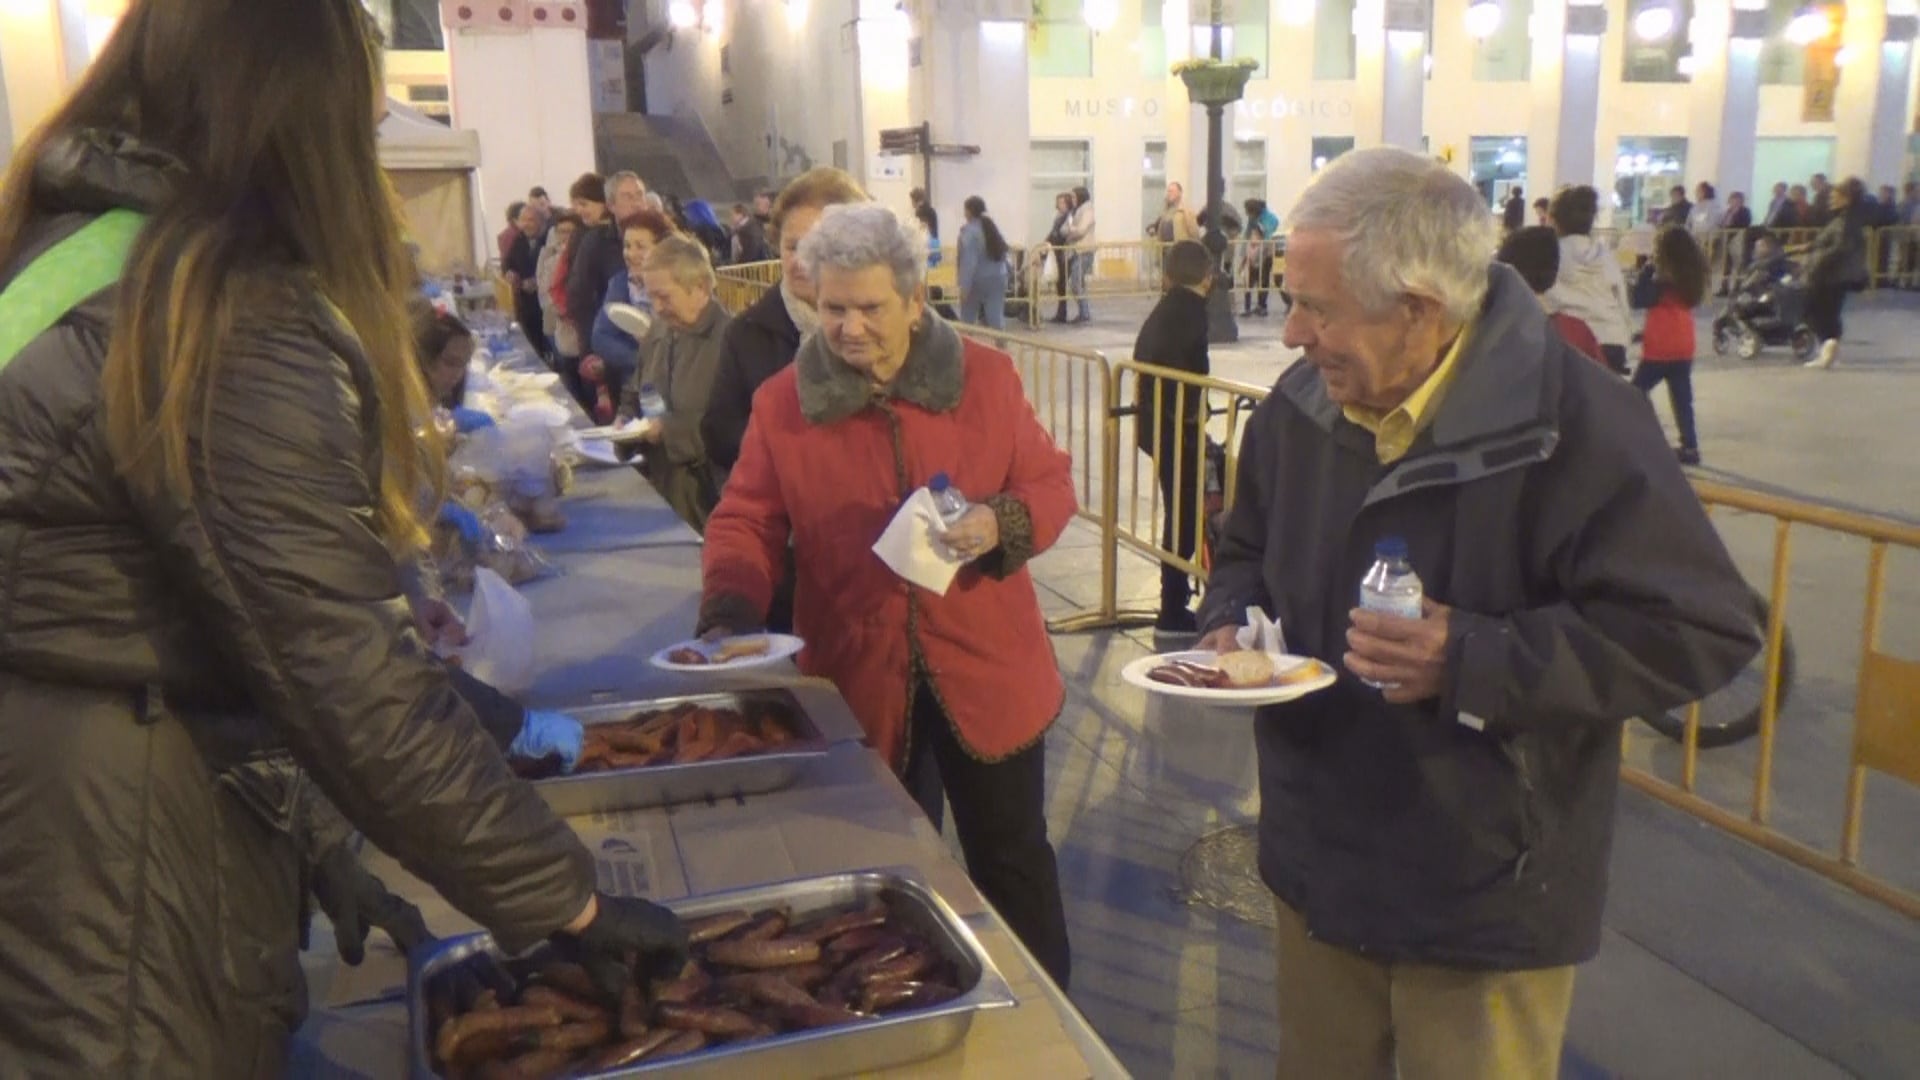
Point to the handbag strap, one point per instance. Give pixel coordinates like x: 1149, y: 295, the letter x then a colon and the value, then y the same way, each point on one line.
x: 63, y: 277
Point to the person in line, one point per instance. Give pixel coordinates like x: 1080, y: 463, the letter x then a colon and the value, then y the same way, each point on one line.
x: 617, y: 351
x: 1543, y: 211
x: 1705, y: 215
x: 1438, y: 848
x: 704, y: 225
x: 765, y: 337
x: 1680, y: 274
x: 1534, y: 252
x: 678, y: 360
x: 1079, y: 234
x: 762, y: 341
x: 1170, y: 422
x: 1176, y: 222
x: 522, y: 269
x: 749, y: 236
x: 1590, y: 286
x: 550, y: 289
x: 597, y: 257
x: 505, y: 240
x: 954, y: 690
x: 224, y: 495
x: 1804, y: 216
x: 1262, y: 226
x: 1835, y: 266
x: 541, y: 201
x: 983, y: 268
x: 1057, y: 243
x: 582, y: 258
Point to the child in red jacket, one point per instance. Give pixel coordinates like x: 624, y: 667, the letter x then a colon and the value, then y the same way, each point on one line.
x: 1666, y: 348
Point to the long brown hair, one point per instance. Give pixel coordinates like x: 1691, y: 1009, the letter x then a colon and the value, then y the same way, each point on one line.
x: 270, y: 106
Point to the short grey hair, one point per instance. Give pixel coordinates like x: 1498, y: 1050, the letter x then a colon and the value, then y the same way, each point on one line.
x: 621, y: 177
x: 855, y: 236
x: 684, y: 260
x: 1408, y: 224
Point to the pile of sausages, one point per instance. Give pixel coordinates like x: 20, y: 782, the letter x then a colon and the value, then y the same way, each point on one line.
x: 752, y: 975
x: 678, y: 736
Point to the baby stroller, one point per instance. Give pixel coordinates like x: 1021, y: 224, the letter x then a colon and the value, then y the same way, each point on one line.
x: 1767, y: 309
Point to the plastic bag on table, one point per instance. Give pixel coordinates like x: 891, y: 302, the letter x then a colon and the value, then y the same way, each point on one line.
x: 500, y: 632
x: 491, y: 537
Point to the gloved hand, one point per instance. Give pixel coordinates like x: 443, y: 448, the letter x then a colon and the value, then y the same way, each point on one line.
x: 622, y: 927
x: 546, y: 733
x: 463, y: 519
x: 356, y: 901
x: 465, y: 420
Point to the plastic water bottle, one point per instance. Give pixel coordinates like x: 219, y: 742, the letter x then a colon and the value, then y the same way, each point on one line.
x: 947, y: 498
x: 652, y: 405
x: 1391, y: 587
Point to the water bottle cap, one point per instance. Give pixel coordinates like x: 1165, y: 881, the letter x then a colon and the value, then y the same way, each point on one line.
x: 1390, y: 547
x: 939, y: 483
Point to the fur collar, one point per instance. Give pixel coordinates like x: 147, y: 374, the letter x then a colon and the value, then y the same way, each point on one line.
x: 932, y: 377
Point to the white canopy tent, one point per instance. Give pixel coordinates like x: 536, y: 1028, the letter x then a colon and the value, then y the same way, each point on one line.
x: 433, y: 168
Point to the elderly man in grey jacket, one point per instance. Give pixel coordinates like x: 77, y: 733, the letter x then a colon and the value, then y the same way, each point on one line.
x: 1438, y: 849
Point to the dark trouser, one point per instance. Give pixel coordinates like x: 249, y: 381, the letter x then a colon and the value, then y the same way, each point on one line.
x: 1060, y: 283
x: 526, y: 312
x: 1823, y: 310
x: 1179, y: 520
x: 999, y: 810
x: 1616, y: 356
x: 1259, y: 277
x: 1679, y: 380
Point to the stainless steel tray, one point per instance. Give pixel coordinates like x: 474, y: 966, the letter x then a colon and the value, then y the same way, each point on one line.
x: 661, y: 785
x: 881, y: 1043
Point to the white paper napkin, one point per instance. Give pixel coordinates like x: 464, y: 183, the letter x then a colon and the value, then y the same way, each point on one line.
x: 911, y: 545
x: 1262, y: 633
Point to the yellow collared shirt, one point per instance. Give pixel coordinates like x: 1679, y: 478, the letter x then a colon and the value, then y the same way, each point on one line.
x: 1394, y: 432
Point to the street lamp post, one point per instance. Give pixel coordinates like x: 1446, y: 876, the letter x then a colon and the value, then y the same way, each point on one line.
x: 1217, y: 83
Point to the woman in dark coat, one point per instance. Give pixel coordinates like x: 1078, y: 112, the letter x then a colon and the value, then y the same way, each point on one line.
x: 1835, y: 266
x: 205, y: 627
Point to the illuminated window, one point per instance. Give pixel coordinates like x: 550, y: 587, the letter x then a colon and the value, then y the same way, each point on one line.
x: 1653, y: 56
x: 1060, y: 44
x: 1782, y: 63
x: 1247, y: 178
x: 1333, y: 44
x: 1506, y: 55
x: 1153, y: 183
x: 1325, y: 148
x: 1497, y: 164
x: 1645, y: 170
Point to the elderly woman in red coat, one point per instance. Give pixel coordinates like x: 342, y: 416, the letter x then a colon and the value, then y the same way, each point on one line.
x: 956, y: 691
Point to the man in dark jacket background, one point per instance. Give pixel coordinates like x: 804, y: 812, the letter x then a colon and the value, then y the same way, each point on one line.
x: 1169, y: 423
x: 1438, y: 849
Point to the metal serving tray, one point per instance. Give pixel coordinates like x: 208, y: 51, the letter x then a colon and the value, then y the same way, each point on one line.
x: 661, y: 785
x: 881, y: 1043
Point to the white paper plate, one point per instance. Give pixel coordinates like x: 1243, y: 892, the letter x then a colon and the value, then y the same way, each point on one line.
x: 779, y: 647
x: 623, y: 433
x: 633, y: 320
x: 1136, y: 674
x: 597, y: 451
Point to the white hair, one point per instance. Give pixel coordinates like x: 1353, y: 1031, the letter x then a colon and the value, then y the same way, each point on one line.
x: 1408, y: 224
x: 855, y: 236
x: 621, y: 177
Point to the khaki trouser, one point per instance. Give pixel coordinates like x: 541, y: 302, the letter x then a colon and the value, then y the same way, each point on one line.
x: 1345, y: 1016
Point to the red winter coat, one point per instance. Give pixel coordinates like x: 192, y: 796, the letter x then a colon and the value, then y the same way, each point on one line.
x: 828, y: 464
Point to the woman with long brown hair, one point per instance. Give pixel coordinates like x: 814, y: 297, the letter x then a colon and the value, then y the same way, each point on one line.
x: 211, y: 467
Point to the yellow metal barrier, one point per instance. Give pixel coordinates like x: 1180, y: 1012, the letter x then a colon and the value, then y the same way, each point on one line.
x: 1070, y: 391
x: 1886, y: 735
x: 739, y: 287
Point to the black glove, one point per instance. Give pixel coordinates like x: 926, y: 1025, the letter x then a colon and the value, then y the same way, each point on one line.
x: 356, y: 901
x: 626, y: 928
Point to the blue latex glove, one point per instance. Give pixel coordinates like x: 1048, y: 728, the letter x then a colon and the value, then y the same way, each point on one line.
x: 549, y: 733
x: 463, y: 519
x: 465, y: 420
